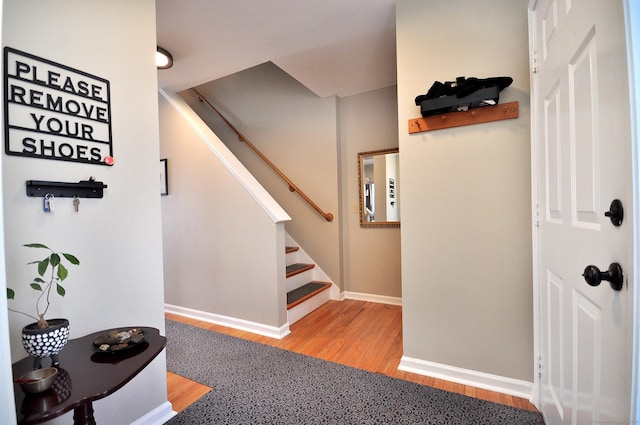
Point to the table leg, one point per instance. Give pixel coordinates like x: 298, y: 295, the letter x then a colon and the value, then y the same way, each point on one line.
x: 83, y: 415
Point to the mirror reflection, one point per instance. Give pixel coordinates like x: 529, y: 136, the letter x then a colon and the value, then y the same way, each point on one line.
x: 379, y: 178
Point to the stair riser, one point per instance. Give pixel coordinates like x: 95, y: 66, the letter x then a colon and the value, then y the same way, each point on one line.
x: 293, y: 257
x: 300, y: 279
x: 298, y: 312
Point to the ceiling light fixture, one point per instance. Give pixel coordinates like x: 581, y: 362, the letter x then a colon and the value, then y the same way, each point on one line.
x: 164, y: 60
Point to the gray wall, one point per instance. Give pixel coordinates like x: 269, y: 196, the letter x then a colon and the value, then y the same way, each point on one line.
x: 117, y: 238
x: 315, y: 142
x: 466, y: 227
x: 220, y: 245
x: 297, y: 131
x: 372, y: 255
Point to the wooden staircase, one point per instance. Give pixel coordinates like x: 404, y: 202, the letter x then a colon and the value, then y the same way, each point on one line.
x: 304, y: 293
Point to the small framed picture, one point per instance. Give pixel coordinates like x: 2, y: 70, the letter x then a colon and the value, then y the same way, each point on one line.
x: 164, y: 186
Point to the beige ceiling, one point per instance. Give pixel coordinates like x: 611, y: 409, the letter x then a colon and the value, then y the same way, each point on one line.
x: 333, y: 47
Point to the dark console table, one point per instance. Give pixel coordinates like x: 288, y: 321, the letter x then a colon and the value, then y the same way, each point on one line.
x: 84, y: 376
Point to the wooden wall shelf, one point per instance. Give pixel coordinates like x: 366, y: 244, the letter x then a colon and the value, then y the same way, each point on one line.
x: 499, y: 112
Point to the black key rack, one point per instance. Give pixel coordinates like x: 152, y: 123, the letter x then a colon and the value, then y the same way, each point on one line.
x: 82, y: 189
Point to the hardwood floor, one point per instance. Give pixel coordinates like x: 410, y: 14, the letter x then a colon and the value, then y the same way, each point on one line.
x: 182, y: 391
x: 359, y: 334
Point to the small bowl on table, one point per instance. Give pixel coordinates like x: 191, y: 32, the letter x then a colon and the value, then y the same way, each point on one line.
x: 38, y: 380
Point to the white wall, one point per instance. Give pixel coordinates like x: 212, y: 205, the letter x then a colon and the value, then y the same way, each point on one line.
x: 466, y: 244
x: 117, y: 238
x: 393, y: 199
x: 7, y: 416
x: 224, y: 252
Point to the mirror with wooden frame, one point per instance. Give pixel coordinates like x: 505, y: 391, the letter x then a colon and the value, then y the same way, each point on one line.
x: 379, y: 178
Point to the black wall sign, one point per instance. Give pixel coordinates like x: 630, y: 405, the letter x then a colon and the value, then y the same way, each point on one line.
x: 56, y: 112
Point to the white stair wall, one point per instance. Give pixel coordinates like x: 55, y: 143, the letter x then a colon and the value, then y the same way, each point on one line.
x: 300, y: 256
x: 315, y: 274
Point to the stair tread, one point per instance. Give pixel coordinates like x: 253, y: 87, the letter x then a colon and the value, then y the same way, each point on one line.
x: 305, y: 292
x: 297, y: 268
x: 288, y: 249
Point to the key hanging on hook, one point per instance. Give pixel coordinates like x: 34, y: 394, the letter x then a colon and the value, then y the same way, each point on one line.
x: 76, y: 203
x: 48, y: 202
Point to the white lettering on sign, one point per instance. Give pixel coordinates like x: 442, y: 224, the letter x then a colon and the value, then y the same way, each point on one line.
x: 56, y: 112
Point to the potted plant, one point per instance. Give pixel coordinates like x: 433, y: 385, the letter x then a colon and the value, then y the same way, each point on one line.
x: 45, y: 338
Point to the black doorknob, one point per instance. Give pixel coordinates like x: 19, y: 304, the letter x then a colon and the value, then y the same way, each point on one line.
x: 615, y: 213
x: 613, y: 275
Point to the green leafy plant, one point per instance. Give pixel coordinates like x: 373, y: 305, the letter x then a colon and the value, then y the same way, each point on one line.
x: 51, y: 273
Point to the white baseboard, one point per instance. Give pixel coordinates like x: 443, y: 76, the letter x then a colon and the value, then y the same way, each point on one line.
x: 359, y: 296
x: 496, y: 383
x: 157, y: 416
x: 231, y: 322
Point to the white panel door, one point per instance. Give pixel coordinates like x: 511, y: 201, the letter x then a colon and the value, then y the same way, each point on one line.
x: 583, y: 162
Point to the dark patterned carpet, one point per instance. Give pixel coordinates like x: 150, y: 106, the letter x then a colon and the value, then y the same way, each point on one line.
x: 259, y: 384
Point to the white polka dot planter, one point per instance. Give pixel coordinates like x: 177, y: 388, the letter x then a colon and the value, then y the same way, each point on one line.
x: 42, y: 343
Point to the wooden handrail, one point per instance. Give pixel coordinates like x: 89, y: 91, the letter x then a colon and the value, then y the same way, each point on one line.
x: 292, y: 186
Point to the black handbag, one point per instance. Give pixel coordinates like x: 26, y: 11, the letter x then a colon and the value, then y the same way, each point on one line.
x: 461, y: 95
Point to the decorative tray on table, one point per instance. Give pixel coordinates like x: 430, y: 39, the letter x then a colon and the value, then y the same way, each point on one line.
x: 118, y: 340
